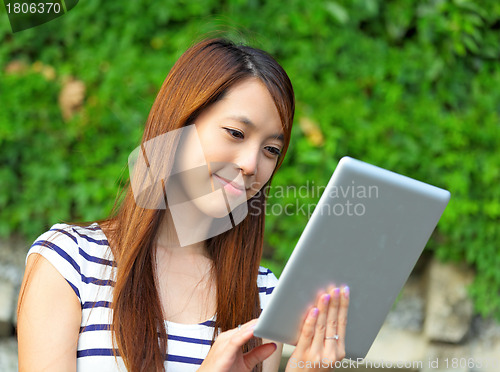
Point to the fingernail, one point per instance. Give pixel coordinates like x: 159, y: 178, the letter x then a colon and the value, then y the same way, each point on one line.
x: 326, y: 298
x: 250, y: 330
x: 346, y: 291
x: 314, y: 312
x: 336, y: 292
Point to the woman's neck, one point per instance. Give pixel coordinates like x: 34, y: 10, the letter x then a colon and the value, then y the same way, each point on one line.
x: 167, y: 237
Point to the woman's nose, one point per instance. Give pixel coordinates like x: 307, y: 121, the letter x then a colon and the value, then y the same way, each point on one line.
x: 247, y: 161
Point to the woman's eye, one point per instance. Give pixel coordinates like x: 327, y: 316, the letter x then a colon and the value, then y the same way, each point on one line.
x: 235, y: 133
x: 274, y: 150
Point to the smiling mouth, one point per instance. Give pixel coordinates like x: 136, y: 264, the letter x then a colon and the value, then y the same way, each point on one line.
x: 231, y: 183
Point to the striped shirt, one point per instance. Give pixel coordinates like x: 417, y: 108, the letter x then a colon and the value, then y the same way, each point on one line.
x: 83, y: 257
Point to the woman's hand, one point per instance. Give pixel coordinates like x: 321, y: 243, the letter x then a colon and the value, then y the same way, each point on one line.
x: 226, y: 355
x: 318, y: 348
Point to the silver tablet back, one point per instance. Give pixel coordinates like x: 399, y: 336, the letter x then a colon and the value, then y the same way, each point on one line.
x: 367, y: 232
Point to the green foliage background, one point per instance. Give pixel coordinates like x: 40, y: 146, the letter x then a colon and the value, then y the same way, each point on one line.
x: 412, y: 86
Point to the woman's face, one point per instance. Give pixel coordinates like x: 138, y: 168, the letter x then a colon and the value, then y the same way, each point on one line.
x: 241, y: 137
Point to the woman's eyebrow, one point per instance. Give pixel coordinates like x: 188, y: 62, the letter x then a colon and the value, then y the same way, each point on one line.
x: 247, y: 122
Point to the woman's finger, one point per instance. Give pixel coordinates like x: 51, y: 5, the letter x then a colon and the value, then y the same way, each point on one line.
x: 320, y: 328
x: 342, y: 318
x: 237, y: 337
x: 242, y: 327
x: 332, y: 319
x: 258, y: 354
x: 307, y: 331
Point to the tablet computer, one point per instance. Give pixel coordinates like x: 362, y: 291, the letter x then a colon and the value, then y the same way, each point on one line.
x: 367, y: 231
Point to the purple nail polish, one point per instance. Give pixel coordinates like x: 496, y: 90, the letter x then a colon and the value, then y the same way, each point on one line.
x: 326, y: 298
x: 336, y: 292
x: 314, y: 312
x: 346, y: 291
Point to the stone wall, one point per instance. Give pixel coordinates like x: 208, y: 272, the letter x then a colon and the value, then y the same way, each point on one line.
x: 12, y: 259
x: 432, y: 326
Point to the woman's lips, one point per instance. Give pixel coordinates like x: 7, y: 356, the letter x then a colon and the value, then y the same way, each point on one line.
x: 229, y: 186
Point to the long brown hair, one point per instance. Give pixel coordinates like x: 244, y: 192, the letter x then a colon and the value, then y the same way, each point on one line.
x: 201, y: 77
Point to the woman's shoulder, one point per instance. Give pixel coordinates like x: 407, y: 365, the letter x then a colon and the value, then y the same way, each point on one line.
x: 91, y: 233
x: 73, y: 236
x: 75, y: 243
x: 265, y: 274
x: 79, y: 253
x: 266, y: 282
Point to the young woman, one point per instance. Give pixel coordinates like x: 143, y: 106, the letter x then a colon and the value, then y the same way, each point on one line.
x: 155, y: 287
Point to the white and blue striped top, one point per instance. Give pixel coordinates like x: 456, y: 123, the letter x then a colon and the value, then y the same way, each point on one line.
x: 83, y: 257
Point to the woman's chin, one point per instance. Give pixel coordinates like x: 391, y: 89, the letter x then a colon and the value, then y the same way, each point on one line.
x: 217, y: 212
x: 218, y: 209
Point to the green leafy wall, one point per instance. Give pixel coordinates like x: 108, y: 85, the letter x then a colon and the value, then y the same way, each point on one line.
x: 412, y: 86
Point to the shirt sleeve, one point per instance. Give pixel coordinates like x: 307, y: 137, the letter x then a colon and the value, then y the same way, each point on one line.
x: 60, y: 247
x: 266, y: 282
